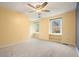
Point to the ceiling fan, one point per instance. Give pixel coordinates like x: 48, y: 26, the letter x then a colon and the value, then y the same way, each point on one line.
x: 39, y: 7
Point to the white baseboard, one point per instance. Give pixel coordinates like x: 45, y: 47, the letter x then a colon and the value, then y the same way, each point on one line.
x: 77, y: 51
x: 11, y: 44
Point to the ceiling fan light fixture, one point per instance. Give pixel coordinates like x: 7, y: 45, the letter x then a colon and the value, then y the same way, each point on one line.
x: 38, y: 10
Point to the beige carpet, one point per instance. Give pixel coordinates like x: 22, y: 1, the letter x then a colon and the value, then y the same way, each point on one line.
x: 38, y: 48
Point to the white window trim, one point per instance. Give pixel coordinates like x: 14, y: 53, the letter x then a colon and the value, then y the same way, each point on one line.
x: 50, y: 31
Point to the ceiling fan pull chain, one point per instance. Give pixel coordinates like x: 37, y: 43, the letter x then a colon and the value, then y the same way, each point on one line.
x: 39, y: 15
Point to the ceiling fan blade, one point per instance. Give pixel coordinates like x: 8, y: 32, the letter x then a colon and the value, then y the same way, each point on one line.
x: 46, y: 10
x: 44, y: 4
x: 31, y: 5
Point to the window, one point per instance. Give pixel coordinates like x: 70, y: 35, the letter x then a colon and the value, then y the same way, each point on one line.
x: 36, y: 26
x: 55, y: 26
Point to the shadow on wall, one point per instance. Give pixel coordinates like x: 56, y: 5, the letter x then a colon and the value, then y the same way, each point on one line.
x: 77, y: 25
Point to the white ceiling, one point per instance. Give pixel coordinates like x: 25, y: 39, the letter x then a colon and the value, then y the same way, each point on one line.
x: 55, y: 7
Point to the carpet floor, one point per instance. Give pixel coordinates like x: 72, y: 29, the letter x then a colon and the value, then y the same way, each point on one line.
x: 38, y: 48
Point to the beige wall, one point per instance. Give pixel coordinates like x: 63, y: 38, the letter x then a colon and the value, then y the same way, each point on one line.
x: 13, y: 26
x: 43, y: 30
x: 68, y: 27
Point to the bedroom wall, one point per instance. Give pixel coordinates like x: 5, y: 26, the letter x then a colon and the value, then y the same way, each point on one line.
x: 68, y: 26
x: 43, y: 30
x: 13, y: 26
